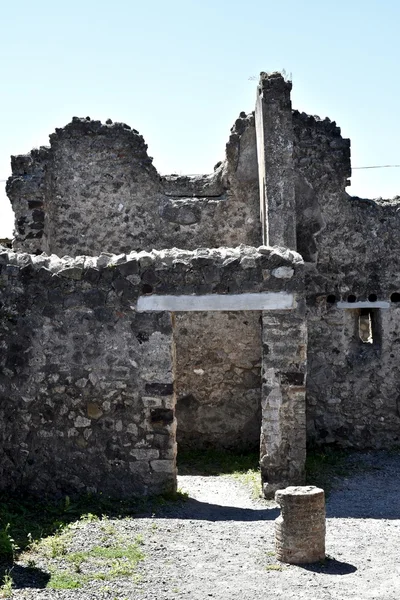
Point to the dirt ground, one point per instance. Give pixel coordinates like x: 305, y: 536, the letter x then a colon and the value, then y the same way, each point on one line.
x: 219, y: 544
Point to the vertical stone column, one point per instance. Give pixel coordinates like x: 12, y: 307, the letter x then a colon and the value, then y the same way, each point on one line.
x: 274, y: 131
x: 156, y: 365
x: 300, y: 529
x: 283, y: 426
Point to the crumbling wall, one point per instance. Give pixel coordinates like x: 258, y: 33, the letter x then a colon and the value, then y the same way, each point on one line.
x: 218, y: 385
x: 86, y: 383
x: 274, y: 134
x: 352, y: 246
x: 95, y: 190
x: 87, y: 388
x: 26, y: 190
x: 353, y: 385
x: 353, y: 388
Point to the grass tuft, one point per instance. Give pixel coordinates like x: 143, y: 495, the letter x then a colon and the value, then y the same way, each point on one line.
x: 6, y: 586
x: 64, y: 581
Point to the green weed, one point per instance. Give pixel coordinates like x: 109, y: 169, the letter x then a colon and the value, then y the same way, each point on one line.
x: 63, y: 581
x: 6, y: 586
x: 8, y: 547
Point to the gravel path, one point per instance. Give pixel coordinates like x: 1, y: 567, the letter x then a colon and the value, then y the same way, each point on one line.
x: 220, y: 544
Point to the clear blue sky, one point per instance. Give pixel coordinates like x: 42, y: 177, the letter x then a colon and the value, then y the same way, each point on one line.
x: 178, y: 71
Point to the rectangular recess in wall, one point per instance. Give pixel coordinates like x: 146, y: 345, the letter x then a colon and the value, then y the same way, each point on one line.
x: 261, y: 301
x: 365, y: 331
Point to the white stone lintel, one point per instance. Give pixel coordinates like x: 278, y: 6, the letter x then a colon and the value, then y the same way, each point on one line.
x: 378, y: 304
x: 260, y: 301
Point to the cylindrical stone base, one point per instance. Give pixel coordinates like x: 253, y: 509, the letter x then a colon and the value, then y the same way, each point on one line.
x: 300, y: 529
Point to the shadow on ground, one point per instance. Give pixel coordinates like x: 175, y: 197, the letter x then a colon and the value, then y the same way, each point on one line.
x: 195, y: 510
x: 24, y: 577
x: 330, y: 566
x: 369, y: 490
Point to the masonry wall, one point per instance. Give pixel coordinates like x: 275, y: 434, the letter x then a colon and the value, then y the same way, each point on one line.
x: 86, y: 387
x: 218, y: 385
x: 87, y: 383
x: 96, y: 190
x: 351, y: 246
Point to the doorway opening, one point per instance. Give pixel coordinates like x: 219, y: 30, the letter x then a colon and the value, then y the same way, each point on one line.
x: 217, y: 363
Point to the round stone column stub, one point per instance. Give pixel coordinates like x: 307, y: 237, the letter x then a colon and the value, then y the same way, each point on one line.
x: 300, y: 529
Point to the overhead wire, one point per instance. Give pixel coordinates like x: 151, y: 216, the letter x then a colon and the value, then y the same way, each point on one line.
x: 353, y: 168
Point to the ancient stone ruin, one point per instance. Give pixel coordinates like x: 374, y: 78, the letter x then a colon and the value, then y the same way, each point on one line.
x: 300, y: 528
x: 257, y: 306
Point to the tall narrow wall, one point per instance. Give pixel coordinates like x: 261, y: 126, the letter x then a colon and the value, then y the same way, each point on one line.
x: 275, y: 157
x: 283, y: 431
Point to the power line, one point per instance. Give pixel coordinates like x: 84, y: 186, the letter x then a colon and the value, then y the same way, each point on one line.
x: 353, y: 168
x: 378, y: 167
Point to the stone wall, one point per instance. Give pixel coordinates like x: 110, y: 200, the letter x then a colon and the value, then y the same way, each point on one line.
x: 352, y: 246
x: 86, y: 387
x: 353, y: 390
x: 283, y: 406
x: 218, y: 379
x: 95, y: 190
x: 274, y: 134
x: 87, y: 382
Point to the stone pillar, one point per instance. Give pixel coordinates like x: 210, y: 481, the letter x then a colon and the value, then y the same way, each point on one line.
x: 300, y: 529
x: 274, y: 132
x: 283, y: 425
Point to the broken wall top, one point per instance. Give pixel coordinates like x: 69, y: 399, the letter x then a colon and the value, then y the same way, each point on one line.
x: 95, y: 189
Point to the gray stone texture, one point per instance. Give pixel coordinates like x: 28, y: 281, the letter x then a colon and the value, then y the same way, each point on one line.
x: 351, y: 248
x: 86, y: 383
x: 87, y: 390
x: 95, y: 190
x: 275, y: 159
x: 283, y: 405
x: 218, y: 379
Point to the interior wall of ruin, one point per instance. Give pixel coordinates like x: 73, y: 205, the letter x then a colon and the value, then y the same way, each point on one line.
x: 351, y: 246
x: 96, y: 190
x: 218, y: 385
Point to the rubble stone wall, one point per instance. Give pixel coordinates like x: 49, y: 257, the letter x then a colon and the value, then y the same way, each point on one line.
x: 218, y: 383
x: 87, y: 383
x: 96, y: 190
x: 351, y: 246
